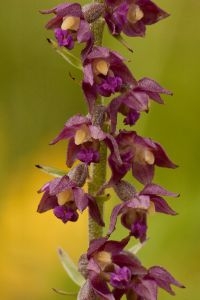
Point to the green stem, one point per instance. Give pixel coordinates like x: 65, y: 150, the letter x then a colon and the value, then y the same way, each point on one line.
x: 98, y: 171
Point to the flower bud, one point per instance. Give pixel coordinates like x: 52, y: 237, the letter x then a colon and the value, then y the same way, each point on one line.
x: 86, y: 292
x: 82, y: 265
x: 124, y: 190
x: 79, y: 174
x: 93, y: 11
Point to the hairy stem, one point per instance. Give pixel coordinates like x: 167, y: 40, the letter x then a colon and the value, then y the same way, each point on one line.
x: 98, y: 171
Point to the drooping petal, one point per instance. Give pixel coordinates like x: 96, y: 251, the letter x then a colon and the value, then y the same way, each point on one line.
x: 146, y: 289
x: 163, y: 279
x: 84, y: 33
x: 101, y: 288
x: 113, y: 218
x: 144, y: 173
x: 47, y: 202
x: 80, y: 199
x: 94, y: 211
x: 162, y: 206
x: 155, y: 189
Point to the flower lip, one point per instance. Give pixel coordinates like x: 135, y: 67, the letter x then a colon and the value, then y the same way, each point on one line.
x: 82, y: 135
x: 100, y: 66
x: 103, y: 259
x: 70, y: 23
x: 135, y: 13
x: 65, y: 196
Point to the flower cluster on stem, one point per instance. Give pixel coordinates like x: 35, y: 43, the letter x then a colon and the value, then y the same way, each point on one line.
x: 96, y: 142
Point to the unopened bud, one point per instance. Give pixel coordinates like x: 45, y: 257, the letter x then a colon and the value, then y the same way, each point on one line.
x: 124, y: 190
x: 98, y: 115
x: 79, y: 174
x: 93, y: 11
x: 82, y: 265
x: 86, y: 292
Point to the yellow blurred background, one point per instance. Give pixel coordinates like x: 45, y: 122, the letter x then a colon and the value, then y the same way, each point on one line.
x: 37, y: 97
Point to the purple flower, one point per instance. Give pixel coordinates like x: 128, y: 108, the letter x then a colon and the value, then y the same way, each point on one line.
x: 136, y: 206
x: 139, y: 154
x: 65, y: 196
x: 114, y: 272
x: 132, y: 16
x: 69, y: 24
x: 84, y: 140
x: 104, y: 74
x: 134, y: 101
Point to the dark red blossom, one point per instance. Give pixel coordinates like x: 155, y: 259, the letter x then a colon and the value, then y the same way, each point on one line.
x: 132, y: 16
x: 134, y: 101
x: 104, y: 74
x: 139, y: 154
x: 66, y: 197
x: 136, y: 207
x: 84, y: 140
x: 114, y: 272
x: 69, y: 24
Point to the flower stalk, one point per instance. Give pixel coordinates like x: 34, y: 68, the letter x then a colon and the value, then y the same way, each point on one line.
x: 97, y: 171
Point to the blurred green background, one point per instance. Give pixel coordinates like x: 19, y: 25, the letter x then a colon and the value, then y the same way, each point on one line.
x: 37, y: 97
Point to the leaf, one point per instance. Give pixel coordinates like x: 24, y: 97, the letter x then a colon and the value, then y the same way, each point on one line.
x: 66, y: 54
x: 136, y: 248
x: 70, y: 268
x: 52, y: 171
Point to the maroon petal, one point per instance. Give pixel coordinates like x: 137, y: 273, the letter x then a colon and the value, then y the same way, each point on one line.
x: 143, y: 172
x: 152, y: 13
x: 94, y: 211
x: 101, y: 288
x: 113, y: 218
x: 112, y: 143
x: 162, y: 206
x: 150, y: 85
x: 47, y: 202
x: 131, y: 261
x: 69, y: 9
x: 164, y: 279
x: 154, y: 189
x: 162, y: 159
x: 96, y: 245
x: 115, y: 247
x: 80, y: 199
x: 54, y: 23
x: 90, y: 94
x: 147, y: 289
x: 136, y: 29
x: 84, y: 33
x: 58, y: 185
x: 72, y: 151
x: 97, y: 133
